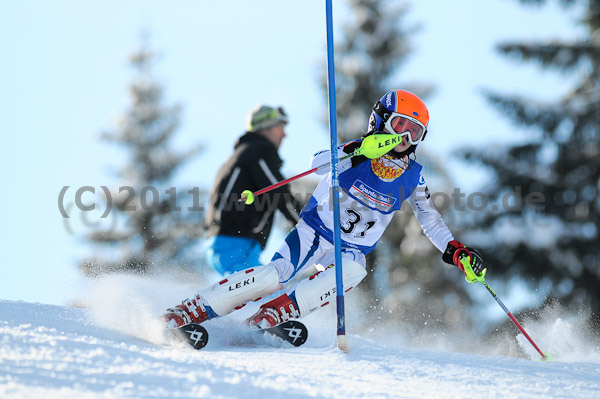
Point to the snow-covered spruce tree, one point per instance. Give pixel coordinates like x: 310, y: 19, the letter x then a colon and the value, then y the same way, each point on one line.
x: 554, y: 243
x: 406, y: 275
x: 156, y: 226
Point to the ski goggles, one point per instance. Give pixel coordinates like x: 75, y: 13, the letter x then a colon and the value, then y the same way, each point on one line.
x: 279, y: 114
x: 405, y: 125
x: 276, y: 114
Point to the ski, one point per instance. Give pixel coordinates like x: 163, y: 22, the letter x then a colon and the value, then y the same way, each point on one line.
x: 193, y: 334
x: 291, y: 331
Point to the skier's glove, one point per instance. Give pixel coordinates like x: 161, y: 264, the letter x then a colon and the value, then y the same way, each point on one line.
x: 456, y: 250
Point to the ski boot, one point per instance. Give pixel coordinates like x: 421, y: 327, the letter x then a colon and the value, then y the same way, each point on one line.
x: 190, y: 311
x: 275, y: 312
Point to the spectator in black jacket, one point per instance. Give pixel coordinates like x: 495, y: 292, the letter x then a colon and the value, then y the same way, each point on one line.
x: 238, y: 232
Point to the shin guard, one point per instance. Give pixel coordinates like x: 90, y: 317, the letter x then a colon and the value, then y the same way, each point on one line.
x: 319, y: 290
x: 240, y: 288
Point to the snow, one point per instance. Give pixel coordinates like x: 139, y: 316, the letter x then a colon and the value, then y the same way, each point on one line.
x: 116, y: 348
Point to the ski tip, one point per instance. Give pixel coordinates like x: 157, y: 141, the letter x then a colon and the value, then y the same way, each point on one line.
x: 291, y: 331
x: 193, y: 334
x: 342, y: 343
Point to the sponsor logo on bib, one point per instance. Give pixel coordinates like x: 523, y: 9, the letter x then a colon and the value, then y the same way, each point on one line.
x: 372, y: 197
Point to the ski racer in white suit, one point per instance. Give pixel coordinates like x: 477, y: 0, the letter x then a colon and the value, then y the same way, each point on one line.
x: 372, y: 190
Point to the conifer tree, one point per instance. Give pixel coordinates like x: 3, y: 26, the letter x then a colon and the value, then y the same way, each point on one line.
x: 157, y: 222
x: 554, y: 242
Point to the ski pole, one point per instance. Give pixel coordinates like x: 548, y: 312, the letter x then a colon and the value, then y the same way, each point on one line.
x: 248, y: 196
x: 372, y: 146
x: 471, y: 277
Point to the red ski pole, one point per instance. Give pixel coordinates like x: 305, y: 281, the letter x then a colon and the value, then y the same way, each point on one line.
x: 248, y: 196
x: 372, y: 146
x: 471, y: 277
x: 485, y: 284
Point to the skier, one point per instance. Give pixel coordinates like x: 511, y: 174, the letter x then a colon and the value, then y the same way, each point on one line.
x: 372, y: 190
x: 236, y: 238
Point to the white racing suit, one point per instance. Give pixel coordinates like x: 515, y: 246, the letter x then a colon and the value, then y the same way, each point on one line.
x: 371, y: 191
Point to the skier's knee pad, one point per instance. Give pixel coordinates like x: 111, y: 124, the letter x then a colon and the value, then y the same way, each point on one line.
x: 241, y: 287
x: 319, y: 290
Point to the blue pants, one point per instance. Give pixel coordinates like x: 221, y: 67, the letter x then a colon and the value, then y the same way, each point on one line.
x: 229, y: 254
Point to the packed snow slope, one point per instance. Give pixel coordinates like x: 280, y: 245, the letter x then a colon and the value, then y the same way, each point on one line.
x: 116, y: 348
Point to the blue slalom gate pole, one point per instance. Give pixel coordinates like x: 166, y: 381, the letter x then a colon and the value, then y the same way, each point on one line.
x: 335, y: 184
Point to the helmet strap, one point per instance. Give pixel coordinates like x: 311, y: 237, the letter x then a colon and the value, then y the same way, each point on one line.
x: 380, y: 110
x: 413, y: 160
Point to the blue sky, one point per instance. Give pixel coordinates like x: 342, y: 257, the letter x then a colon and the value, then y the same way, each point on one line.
x: 65, y: 75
